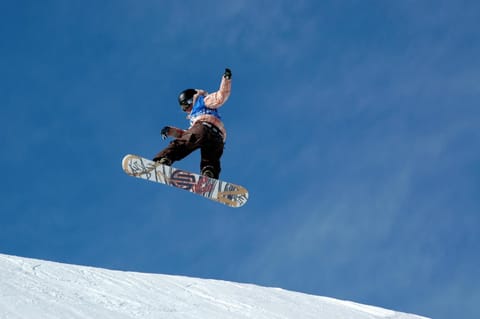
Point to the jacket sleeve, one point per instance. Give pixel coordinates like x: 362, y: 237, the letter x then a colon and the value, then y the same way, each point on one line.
x: 217, y: 99
x: 175, y: 132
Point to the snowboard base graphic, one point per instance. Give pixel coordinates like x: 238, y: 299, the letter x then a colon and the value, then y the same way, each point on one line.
x: 223, y: 192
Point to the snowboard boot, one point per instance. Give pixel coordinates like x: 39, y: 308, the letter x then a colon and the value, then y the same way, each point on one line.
x: 164, y: 161
x: 209, y: 172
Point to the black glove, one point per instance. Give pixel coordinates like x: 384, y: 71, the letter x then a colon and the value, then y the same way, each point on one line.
x: 228, y: 74
x: 165, y: 132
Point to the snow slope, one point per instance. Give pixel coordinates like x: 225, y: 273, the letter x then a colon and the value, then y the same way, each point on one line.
x: 36, y: 289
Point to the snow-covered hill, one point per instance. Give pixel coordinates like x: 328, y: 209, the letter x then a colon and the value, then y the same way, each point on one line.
x: 36, y: 289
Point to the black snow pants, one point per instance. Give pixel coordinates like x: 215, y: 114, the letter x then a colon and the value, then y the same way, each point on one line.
x: 203, y: 136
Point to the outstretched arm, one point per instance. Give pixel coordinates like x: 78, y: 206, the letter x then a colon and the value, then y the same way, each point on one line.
x: 172, y: 131
x: 217, y: 99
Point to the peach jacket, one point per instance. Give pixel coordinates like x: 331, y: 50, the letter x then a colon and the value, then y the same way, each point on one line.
x: 211, y: 102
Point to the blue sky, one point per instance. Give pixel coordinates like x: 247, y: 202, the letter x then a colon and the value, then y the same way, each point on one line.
x: 354, y: 125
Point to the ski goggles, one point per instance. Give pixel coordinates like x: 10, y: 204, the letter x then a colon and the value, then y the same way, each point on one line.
x: 186, y: 104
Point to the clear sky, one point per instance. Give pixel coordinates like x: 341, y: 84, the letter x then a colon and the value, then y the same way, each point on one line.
x: 355, y: 125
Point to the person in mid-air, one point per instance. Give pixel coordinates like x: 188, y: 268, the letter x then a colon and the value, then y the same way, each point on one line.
x: 206, y: 131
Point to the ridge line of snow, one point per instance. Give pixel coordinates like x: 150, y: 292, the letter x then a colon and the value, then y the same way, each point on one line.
x: 31, y: 288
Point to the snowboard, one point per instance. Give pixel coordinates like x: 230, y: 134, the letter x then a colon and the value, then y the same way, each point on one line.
x: 216, y: 190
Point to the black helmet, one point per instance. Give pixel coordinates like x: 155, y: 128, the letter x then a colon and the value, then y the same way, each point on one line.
x: 185, y: 98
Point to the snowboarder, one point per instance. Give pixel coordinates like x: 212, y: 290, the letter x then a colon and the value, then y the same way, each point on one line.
x: 206, y: 131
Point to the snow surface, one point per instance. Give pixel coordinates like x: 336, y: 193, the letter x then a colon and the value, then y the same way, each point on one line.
x: 37, y: 289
